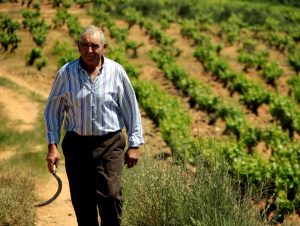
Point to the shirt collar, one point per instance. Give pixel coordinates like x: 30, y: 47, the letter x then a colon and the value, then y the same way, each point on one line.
x: 102, y: 67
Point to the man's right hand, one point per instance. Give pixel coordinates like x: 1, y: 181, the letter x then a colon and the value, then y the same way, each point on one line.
x: 52, y: 157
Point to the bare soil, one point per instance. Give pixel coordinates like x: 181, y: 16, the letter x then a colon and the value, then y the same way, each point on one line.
x: 60, y: 212
x: 18, y: 109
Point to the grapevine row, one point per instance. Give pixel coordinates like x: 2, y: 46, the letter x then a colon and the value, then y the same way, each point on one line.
x: 252, y: 165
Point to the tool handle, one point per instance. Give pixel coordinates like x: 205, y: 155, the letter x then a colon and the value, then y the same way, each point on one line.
x: 54, y: 169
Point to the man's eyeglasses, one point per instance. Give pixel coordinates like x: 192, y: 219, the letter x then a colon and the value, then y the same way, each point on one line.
x: 87, y: 45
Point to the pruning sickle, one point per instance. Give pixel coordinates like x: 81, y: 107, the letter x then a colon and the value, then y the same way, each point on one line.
x: 59, y: 187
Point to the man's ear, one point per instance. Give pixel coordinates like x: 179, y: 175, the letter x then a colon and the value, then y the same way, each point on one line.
x: 104, y: 46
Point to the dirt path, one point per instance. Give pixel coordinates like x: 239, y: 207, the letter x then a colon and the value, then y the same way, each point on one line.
x: 7, y: 153
x: 60, y: 212
x: 18, y: 108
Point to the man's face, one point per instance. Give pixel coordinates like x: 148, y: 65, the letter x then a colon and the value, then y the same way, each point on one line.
x: 91, y: 49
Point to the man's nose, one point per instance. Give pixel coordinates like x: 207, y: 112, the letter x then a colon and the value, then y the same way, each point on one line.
x: 90, y: 49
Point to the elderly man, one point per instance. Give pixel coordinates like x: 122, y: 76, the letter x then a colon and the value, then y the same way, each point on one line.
x: 95, y: 99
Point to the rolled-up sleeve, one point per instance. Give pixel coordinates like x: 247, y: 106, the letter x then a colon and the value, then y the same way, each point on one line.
x: 54, y: 111
x: 130, y: 112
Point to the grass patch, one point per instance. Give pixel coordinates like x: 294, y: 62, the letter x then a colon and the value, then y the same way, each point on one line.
x: 30, y: 146
x: 16, y: 197
x: 5, y: 82
x: 160, y: 193
x: 24, y: 141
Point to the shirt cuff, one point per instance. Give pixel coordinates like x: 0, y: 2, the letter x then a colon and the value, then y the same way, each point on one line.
x: 53, y: 138
x: 135, y: 141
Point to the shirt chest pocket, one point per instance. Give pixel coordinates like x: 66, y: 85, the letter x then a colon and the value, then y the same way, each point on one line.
x: 110, y: 99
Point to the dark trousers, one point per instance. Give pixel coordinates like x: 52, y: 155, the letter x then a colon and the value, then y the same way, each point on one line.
x: 94, y: 167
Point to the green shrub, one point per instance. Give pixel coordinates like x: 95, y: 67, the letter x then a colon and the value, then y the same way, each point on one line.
x: 16, y: 198
x: 166, y: 194
x: 8, y: 35
x: 65, y: 53
x: 40, y: 34
x: 41, y: 63
x: 294, y: 86
x: 74, y: 27
x: 33, y: 55
x: 294, y: 60
x: 271, y: 71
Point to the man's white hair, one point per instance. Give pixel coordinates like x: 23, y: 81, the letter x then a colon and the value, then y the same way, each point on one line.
x: 90, y: 30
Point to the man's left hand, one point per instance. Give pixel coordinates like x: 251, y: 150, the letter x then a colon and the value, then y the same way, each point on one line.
x: 131, y: 157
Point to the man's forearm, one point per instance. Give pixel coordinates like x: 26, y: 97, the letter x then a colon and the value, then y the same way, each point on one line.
x: 53, y: 157
x: 51, y: 146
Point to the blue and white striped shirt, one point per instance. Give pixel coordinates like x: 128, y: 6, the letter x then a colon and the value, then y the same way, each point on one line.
x: 93, y: 107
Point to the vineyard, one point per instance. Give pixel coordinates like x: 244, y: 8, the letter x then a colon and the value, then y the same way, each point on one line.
x: 222, y: 73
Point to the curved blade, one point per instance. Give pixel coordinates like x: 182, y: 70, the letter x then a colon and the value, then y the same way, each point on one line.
x: 59, y: 188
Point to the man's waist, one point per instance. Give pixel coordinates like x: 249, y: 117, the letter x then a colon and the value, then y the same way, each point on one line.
x: 92, y: 136
x: 99, y: 134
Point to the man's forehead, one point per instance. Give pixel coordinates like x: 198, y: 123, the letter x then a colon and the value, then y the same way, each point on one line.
x: 95, y: 37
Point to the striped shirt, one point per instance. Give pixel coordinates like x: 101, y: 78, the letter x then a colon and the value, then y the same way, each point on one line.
x: 93, y: 107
